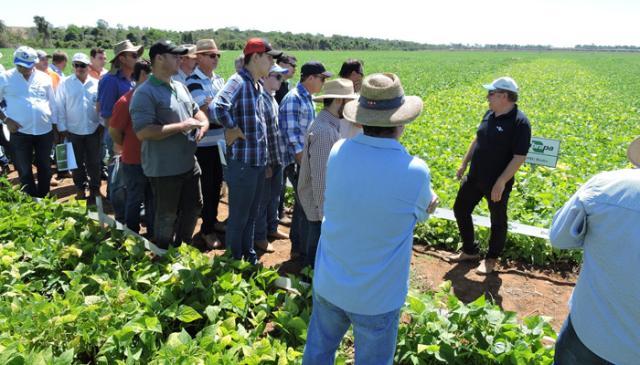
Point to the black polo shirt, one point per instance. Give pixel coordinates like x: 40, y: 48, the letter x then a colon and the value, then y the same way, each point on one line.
x: 497, y: 140
x: 282, y: 91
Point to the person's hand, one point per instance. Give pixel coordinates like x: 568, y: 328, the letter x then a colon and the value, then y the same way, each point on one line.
x: 12, y: 125
x: 435, y: 202
x: 299, y: 158
x: 497, y: 190
x: 268, y: 173
x: 231, y: 135
x: 461, y: 171
x: 190, y: 124
x: 208, y: 100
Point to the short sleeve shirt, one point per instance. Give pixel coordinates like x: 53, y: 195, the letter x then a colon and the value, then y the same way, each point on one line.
x: 121, y: 119
x: 498, y: 139
x: 156, y: 102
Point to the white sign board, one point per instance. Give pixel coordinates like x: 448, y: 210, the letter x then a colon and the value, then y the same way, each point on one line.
x: 543, y: 152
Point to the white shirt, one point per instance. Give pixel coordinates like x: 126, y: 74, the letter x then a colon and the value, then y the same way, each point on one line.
x: 29, y: 102
x: 76, y: 105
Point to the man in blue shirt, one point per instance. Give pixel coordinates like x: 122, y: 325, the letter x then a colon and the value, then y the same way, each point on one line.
x: 602, y: 219
x: 370, y: 211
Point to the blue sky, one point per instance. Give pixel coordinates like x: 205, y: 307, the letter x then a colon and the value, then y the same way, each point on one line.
x: 558, y: 23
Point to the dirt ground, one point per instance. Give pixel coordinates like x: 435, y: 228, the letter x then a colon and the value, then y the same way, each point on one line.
x: 514, y: 287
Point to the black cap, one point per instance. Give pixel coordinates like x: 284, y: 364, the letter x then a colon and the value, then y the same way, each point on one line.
x: 314, y: 68
x: 288, y: 59
x: 165, y: 46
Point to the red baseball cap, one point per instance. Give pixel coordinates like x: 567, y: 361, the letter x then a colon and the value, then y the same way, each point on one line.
x: 259, y: 45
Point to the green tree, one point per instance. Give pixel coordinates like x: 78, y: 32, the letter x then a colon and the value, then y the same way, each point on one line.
x: 44, y: 29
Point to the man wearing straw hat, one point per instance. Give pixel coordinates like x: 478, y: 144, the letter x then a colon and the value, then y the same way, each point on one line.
x: 602, y: 218
x: 323, y: 132
x: 375, y: 194
x: 110, y: 88
x: 204, y: 84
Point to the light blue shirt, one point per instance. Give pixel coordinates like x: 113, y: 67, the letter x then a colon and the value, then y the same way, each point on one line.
x: 375, y: 194
x: 603, y: 219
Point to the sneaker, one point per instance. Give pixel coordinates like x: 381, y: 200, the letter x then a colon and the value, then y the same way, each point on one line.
x: 211, y: 240
x: 461, y: 256
x: 264, y: 245
x: 277, y: 235
x: 486, y: 267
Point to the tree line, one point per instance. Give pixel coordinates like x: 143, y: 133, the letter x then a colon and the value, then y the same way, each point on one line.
x: 45, y: 35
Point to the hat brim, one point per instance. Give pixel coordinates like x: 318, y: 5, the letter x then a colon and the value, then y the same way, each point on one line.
x: 24, y: 64
x: 274, y: 53
x: 490, y: 87
x: 633, y: 152
x: 138, y: 49
x: 404, y: 114
x: 214, y: 50
x: 335, y: 96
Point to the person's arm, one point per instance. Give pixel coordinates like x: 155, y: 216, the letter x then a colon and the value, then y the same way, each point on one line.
x: 466, y: 159
x: 288, y: 117
x: 220, y: 110
x: 426, y: 201
x: 508, y: 173
x: 569, y: 225
x: 204, y: 124
x: 60, y: 101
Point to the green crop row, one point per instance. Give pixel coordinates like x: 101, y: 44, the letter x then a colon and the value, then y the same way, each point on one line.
x: 72, y: 292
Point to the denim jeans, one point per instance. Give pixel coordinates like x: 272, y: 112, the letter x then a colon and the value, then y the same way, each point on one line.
x: 116, y: 189
x: 211, y: 182
x: 87, y: 152
x: 374, y: 336
x: 138, y: 193
x: 24, y: 147
x: 178, y: 203
x: 571, y: 351
x: 245, y: 188
x: 313, y: 236
x: 469, y: 195
x: 298, y: 231
x: 267, y: 218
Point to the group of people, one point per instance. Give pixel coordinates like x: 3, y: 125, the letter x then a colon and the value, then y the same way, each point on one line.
x: 177, y: 130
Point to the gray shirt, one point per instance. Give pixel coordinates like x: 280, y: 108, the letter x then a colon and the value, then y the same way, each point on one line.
x: 158, y: 103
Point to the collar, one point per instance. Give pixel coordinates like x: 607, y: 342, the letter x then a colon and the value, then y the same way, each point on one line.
x: 327, y: 117
x: 55, y: 69
x: 201, y: 75
x: 303, y: 91
x: 75, y: 77
x: 512, y: 113
x: 246, y: 74
x: 156, y: 81
x: 386, y: 143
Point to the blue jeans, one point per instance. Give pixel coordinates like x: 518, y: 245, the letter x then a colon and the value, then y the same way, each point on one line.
x: 298, y: 231
x: 245, y: 188
x: 374, y: 336
x: 117, y: 190
x: 571, y: 351
x: 267, y: 218
x: 138, y: 192
x: 313, y: 236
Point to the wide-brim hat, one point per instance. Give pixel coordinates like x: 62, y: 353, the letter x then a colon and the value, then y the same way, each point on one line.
x: 126, y: 46
x: 337, y: 89
x: 382, y: 103
x: 633, y: 152
x: 191, y: 50
x: 207, y: 46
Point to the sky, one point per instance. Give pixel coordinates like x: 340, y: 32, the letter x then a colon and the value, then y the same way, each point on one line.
x: 561, y: 23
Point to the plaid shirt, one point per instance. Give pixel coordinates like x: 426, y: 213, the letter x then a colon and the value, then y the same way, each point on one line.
x: 297, y: 111
x: 274, y: 138
x: 241, y: 104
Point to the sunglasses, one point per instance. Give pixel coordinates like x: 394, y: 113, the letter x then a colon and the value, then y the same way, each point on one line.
x: 80, y: 65
x: 492, y: 92
x: 276, y: 76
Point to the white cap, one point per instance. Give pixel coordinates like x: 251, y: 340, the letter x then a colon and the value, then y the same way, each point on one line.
x: 278, y: 70
x: 503, y: 83
x: 25, y: 56
x: 81, y: 57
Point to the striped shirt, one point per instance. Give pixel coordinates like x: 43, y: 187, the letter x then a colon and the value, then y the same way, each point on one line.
x: 240, y: 104
x: 297, y: 111
x: 321, y: 135
x: 274, y: 140
x: 202, y: 87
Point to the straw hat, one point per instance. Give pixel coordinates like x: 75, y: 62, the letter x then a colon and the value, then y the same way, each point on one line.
x: 206, y: 46
x: 126, y: 46
x: 382, y: 103
x: 337, y: 89
x: 634, y: 152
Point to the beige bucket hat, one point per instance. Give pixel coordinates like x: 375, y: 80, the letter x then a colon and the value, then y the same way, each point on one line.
x: 382, y: 103
x: 337, y: 89
x: 207, y: 46
x: 191, y: 50
x: 633, y: 152
x: 126, y: 46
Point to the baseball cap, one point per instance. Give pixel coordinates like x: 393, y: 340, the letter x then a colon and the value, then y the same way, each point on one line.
x: 503, y: 83
x: 42, y: 54
x: 314, y: 68
x: 166, y: 46
x: 260, y: 45
x: 81, y: 57
x: 275, y: 69
x: 25, y: 56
